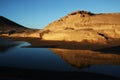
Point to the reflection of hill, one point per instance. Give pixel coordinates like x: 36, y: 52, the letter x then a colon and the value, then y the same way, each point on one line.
x: 85, y: 58
x: 10, y: 73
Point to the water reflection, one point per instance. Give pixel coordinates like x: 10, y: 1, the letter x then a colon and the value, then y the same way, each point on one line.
x: 17, y: 56
x: 86, y: 58
x: 35, y: 58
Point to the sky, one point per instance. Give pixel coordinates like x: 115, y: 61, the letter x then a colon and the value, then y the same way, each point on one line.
x: 39, y: 13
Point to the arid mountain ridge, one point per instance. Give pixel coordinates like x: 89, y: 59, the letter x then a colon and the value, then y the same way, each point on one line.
x: 12, y: 29
x: 85, y: 26
x: 6, y: 25
x: 78, y: 26
x: 80, y: 19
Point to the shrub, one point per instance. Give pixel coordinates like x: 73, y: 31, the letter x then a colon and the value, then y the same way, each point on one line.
x: 11, y: 32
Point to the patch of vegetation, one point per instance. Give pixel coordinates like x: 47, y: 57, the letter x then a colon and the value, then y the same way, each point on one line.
x: 81, y: 12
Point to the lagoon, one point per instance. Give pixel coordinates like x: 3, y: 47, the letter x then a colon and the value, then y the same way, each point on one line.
x: 17, y: 55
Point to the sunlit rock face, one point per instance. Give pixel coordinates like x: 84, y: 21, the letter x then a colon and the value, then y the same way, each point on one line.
x: 83, y: 25
x: 84, y: 19
x: 86, y: 58
x: 74, y: 35
x: 31, y: 35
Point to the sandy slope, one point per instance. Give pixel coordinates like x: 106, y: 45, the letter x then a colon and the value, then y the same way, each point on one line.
x: 81, y: 25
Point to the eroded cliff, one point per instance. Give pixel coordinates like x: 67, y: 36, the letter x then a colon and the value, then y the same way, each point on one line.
x: 82, y: 25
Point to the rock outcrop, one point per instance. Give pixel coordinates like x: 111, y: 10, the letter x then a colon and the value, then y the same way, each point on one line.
x: 75, y: 35
x: 32, y: 34
x: 82, y: 25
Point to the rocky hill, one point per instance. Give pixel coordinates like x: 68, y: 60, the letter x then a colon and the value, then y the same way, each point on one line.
x: 12, y: 29
x: 84, y: 19
x: 84, y: 26
x: 7, y: 25
x: 78, y: 26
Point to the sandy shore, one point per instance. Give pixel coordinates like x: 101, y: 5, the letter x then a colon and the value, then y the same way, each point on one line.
x: 36, y: 43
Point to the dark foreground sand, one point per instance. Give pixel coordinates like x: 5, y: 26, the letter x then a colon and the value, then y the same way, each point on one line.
x: 29, y: 74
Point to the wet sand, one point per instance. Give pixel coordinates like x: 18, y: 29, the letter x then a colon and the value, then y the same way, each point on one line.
x: 37, y: 43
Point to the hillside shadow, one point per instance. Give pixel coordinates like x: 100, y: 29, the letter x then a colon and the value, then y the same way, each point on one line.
x: 113, y: 50
x: 37, y: 43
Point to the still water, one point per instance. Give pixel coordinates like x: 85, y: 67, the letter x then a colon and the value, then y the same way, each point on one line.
x: 16, y: 55
x: 35, y: 58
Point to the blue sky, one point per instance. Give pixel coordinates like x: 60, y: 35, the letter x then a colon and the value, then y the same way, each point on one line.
x: 39, y: 13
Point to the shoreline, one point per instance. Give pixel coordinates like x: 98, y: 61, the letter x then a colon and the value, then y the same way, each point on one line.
x: 37, y: 42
